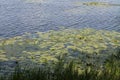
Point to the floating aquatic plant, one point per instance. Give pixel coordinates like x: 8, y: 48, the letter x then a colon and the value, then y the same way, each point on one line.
x: 74, y: 44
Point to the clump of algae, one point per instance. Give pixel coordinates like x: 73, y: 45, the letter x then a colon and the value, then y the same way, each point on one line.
x: 83, y: 45
x: 96, y: 4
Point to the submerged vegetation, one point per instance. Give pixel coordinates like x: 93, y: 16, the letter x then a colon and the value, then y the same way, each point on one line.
x: 91, y: 3
x: 96, y: 4
x: 88, y: 49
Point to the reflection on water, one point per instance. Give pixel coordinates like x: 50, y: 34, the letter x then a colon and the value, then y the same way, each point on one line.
x: 19, y: 16
x: 34, y: 1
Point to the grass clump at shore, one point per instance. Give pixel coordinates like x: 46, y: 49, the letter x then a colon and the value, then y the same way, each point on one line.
x: 110, y: 71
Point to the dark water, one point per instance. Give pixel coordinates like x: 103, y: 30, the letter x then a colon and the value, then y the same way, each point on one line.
x: 20, y: 16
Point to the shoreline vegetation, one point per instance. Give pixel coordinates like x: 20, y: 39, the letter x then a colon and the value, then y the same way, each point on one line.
x: 110, y: 71
x: 67, y: 54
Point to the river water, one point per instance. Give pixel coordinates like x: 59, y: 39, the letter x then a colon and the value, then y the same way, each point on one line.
x: 20, y: 16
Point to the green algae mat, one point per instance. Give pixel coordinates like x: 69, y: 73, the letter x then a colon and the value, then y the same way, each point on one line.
x: 90, y: 3
x: 84, y: 46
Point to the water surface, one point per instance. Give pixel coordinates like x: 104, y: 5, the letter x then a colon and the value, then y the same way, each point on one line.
x: 20, y: 16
